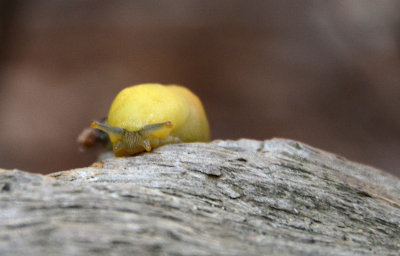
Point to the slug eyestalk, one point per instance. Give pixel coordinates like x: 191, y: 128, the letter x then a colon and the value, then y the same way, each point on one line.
x: 127, y: 143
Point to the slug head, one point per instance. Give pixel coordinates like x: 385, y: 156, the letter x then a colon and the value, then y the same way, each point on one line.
x: 127, y: 143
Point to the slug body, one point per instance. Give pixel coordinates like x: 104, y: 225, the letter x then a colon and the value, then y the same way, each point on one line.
x: 147, y: 116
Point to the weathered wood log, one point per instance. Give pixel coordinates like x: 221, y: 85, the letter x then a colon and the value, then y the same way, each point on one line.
x: 273, y: 197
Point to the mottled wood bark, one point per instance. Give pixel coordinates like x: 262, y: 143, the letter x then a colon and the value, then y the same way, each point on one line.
x: 273, y: 197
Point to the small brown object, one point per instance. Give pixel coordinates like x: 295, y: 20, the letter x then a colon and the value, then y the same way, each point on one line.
x: 91, y: 138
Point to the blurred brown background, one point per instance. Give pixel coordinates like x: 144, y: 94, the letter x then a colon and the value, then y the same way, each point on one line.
x: 323, y: 72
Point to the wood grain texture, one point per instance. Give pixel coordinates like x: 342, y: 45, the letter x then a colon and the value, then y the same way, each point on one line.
x: 245, y: 197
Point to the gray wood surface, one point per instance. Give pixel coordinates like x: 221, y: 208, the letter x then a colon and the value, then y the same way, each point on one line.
x: 245, y: 197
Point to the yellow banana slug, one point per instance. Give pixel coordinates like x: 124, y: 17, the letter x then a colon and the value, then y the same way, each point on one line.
x: 147, y: 116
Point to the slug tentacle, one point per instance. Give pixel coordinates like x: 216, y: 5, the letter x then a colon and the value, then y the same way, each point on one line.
x: 147, y: 145
x: 110, y: 130
x: 151, y: 128
x: 131, y: 142
x: 117, y: 146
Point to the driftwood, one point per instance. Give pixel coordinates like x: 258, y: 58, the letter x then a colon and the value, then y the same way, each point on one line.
x: 273, y: 197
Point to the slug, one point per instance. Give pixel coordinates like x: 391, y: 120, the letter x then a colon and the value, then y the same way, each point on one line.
x: 146, y: 116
